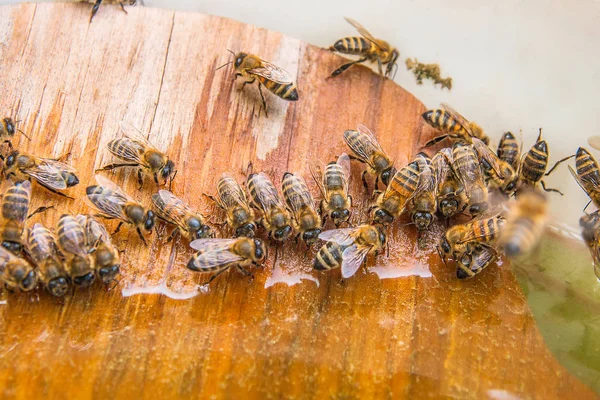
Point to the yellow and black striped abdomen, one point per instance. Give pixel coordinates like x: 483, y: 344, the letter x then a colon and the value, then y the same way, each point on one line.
x: 508, y: 150
x: 520, y: 236
x: 442, y: 120
x: 328, y: 257
x: 488, y: 229
x: 286, y: 91
x: 587, y: 170
x: 70, y: 233
x: 405, y: 180
x: 535, y: 163
x: 15, y: 203
x: 356, y: 45
x: 334, y: 177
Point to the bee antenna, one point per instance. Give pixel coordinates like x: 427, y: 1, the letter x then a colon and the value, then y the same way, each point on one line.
x: 231, y: 52
x: 23, y: 133
x: 224, y: 65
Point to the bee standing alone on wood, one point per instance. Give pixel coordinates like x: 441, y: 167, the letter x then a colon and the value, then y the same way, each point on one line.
x: 173, y: 210
x: 43, y: 250
x: 333, y: 184
x: 274, y: 78
x: 454, y: 125
x: 533, y: 165
x: 264, y: 197
x: 349, y: 248
x: 368, y: 48
x: 232, y: 199
x: 136, y: 151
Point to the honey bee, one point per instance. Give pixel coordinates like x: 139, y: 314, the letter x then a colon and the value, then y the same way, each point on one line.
x: 466, y: 167
x: 112, y: 203
x: 451, y: 198
x: 136, y: 151
x: 363, y: 143
x: 43, y: 250
x: 299, y: 201
x: 590, y: 227
x: 7, y: 131
x: 217, y: 255
x: 533, y: 165
x: 173, y: 210
x: 454, y: 125
x: 423, y: 204
x: 16, y: 273
x: 274, y: 78
x: 107, y: 261
x: 264, y: 197
x: 509, y: 150
x: 499, y: 172
x: 97, y: 4
x: 71, y: 240
x: 232, y: 199
x: 587, y: 175
x: 333, y: 184
x: 51, y: 174
x: 475, y: 259
x: 368, y: 48
x: 392, y: 202
x: 525, y: 223
x: 348, y: 248
x: 484, y: 231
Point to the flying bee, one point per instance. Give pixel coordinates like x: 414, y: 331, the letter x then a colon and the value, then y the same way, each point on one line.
x: 465, y: 164
x: 217, y: 255
x: 43, y: 250
x: 97, y: 4
x: 136, y: 151
x: 475, y: 259
x: 333, y: 184
x: 423, y: 204
x: 454, y: 125
x: 173, y: 210
x: 106, y: 257
x: 533, y: 165
x: 451, y: 198
x: 232, y: 199
x: 392, y: 202
x: 277, y: 80
x: 112, y: 203
x: 15, y: 207
x: 349, y: 248
x: 299, y: 201
x: 16, y: 273
x: 264, y: 197
x: 485, y: 230
x: 525, y: 223
x: 368, y: 48
x: 51, y: 174
x: 367, y: 149
x: 509, y: 150
x: 71, y: 240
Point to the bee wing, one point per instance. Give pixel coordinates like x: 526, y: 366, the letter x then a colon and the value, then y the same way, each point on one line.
x: 594, y: 141
x: 302, y: 196
x: 5, y: 256
x: 178, y: 210
x: 73, y: 241
x: 371, y: 139
x: 98, y: 230
x: 236, y: 192
x: 134, y: 134
x: 43, y: 247
x: 352, y: 258
x: 47, y: 174
x: 272, y: 72
x: 267, y: 193
x: 457, y: 116
x: 362, y: 30
x: 426, y: 182
x: 441, y: 166
x: 215, y: 252
x: 343, y: 237
x: 131, y: 150
x: 486, y: 154
x: 116, y: 190
x: 316, y: 170
x: 581, y: 182
x: 344, y: 161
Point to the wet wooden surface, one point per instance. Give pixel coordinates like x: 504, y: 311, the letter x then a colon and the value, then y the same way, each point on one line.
x: 402, y: 328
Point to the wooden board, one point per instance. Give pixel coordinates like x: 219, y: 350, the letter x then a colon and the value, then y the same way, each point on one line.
x: 289, y: 333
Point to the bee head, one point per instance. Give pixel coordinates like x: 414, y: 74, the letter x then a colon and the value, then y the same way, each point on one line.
x: 11, y: 159
x: 58, y: 286
x: 282, y: 233
x: 149, y: 220
x: 13, y: 247
x: 259, y: 251
x: 449, y: 207
x: 476, y: 209
x: 10, y: 126
x: 311, y: 236
x: 168, y: 170
x: 84, y: 280
x: 239, y: 59
x: 382, y: 217
x: 445, y: 246
x: 70, y: 178
x: 246, y: 230
x: 387, y: 174
x: 392, y: 64
x: 340, y: 216
x: 29, y: 281
x: 204, y: 231
x: 108, y: 274
x: 422, y: 220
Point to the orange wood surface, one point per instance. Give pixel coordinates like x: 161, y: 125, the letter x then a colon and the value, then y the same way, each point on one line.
x: 404, y: 327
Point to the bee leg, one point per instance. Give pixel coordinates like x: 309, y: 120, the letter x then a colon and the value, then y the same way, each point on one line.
x: 246, y: 83
x: 110, y: 167
x: 558, y: 163
x: 377, y: 182
x: 57, y: 192
x: 380, y: 67
x: 123, y: 7
x: 141, y: 236
x: 264, y: 102
x: 9, y: 143
x: 173, y: 235
x: 95, y: 9
x: 344, y: 67
x: 246, y: 272
x: 118, y: 228
x: 140, y: 179
x: 364, y: 180
x: 39, y: 210
x: 586, y: 206
x: 550, y: 189
x: 435, y: 140
x: 215, y: 275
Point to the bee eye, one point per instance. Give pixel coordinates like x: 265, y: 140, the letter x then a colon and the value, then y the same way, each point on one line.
x: 29, y: 281
x: 446, y: 246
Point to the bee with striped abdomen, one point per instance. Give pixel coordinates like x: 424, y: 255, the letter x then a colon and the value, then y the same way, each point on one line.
x: 137, y: 151
x: 232, y: 199
x: 392, y: 202
x: 106, y: 257
x: 113, y: 203
x: 423, y: 201
x: 51, y: 174
x: 368, y: 48
x: 509, y: 150
x: 43, y: 250
x: 453, y: 124
x: 533, y: 165
x: 498, y: 172
x: 587, y: 175
x: 348, y: 248
x: 217, y: 255
x: 300, y: 203
x: 264, y: 197
x: 275, y: 79
x: 525, y: 223
x: 477, y: 257
x: 367, y: 150
x: 451, y: 198
x: 466, y: 168
x: 8, y: 129
x: 333, y: 184
x: 72, y: 242
x: 189, y: 223
x: 16, y: 273
x: 485, y: 230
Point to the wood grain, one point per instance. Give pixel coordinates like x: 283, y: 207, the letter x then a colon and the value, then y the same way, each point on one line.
x: 289, y: 333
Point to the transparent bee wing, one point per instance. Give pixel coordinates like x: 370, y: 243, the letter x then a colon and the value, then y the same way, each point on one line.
x: 116, y: 190
x: 343, y: 237
x: 266, y: 192
x: 133, y: 133
x: 590, y: 181
x: 72, y: 240
x: 215, y: 252
x: 362, y: 30
x: 177, y: 210
x: 234, y: 190
x: 272, y: 72
x: 301, y: 196
x: 47, y: 174
x: 41, y: 243
x: 128, y: 149
x: 486, y: 154
x: 344, y: 161
x: 352, y: 258
x: 316, y: 171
